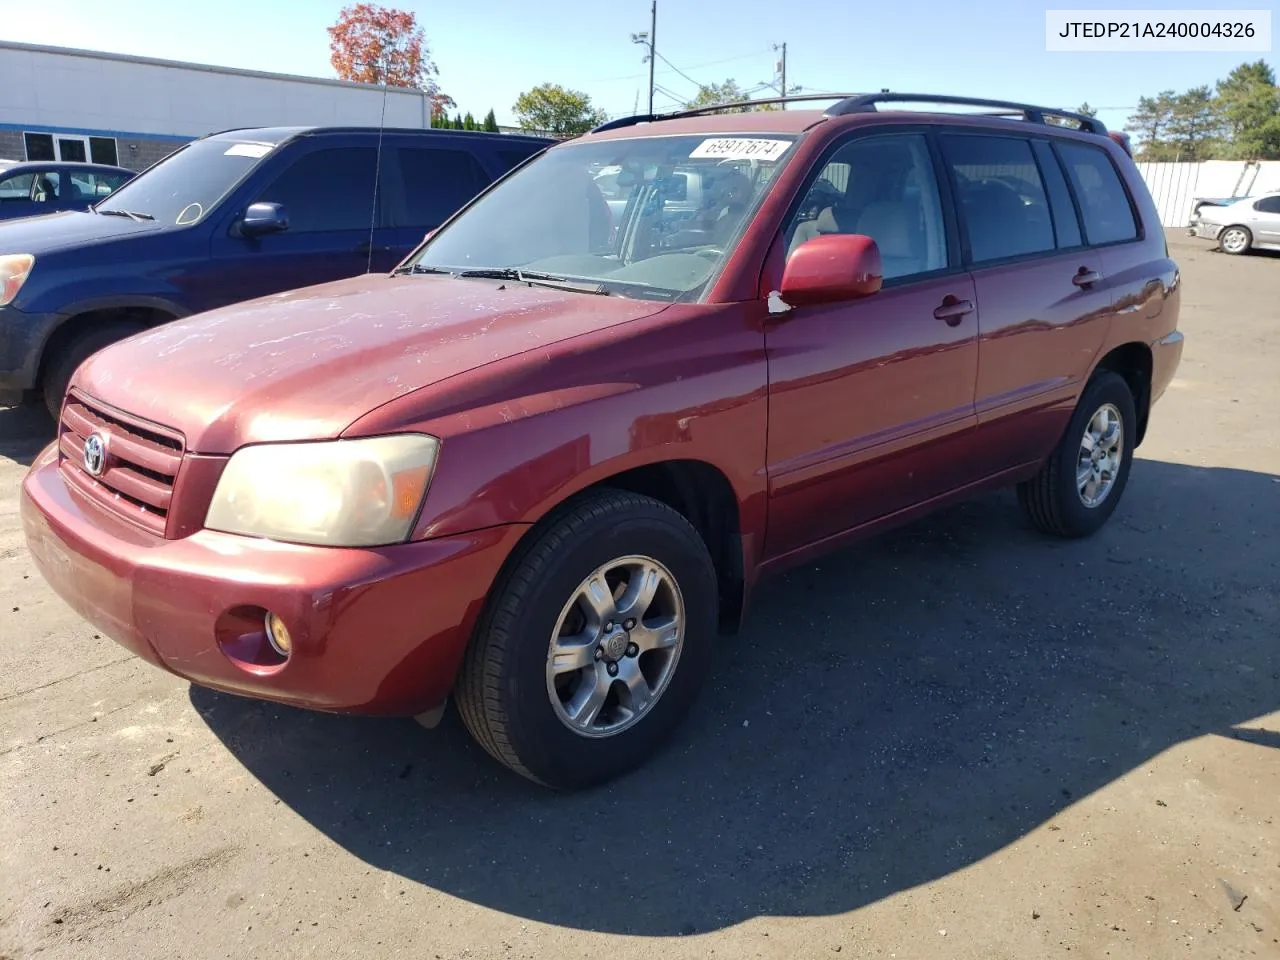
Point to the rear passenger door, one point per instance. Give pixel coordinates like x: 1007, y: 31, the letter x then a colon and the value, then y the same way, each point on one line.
x: 1043, y: 295
x: 433, y: 181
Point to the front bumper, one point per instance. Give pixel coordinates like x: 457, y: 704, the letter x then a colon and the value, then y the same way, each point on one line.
x: 374, y: 631
x: 22, y: 336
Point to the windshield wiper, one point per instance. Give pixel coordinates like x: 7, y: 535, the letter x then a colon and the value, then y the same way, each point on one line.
x: 541, y: 279
x: 125, y: 213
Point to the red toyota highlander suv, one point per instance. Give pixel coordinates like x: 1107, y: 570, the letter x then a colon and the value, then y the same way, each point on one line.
x: 539, y: 466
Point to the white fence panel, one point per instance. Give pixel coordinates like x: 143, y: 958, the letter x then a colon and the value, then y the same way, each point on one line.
x: 1176, y: 186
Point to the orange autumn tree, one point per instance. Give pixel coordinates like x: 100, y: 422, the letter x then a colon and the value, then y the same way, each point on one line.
x: 373, y: 44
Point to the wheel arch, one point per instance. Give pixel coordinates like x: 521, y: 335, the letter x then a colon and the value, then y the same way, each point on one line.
x: 143, y: 312
x: 1134, y: 362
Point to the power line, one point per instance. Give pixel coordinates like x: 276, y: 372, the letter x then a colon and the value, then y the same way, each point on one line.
x: 679, y: 71
x: 696, y: 66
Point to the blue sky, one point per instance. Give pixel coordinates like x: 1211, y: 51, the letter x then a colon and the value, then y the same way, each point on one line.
x: 488, y: 51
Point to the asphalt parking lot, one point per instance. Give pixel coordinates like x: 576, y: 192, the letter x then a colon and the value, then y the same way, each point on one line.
x: 960, y: 740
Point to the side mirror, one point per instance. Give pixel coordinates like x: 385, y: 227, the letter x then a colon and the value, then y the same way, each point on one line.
x: 832, y: 267
x: 264, y: 218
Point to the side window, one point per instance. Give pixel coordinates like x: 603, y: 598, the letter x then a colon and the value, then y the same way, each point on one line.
x: 513, y: 158
x: 1268, y: 205
x: 1066, y: 223
x: 17, y: 187
x: 326, y: 190
x: 48, y: 187
x: 1001, y: 196
x: 1104, y: 203
x: 882, y: 187
x: 437, y: 182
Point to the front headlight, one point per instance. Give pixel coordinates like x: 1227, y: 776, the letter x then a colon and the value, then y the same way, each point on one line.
x: 14, y: 270
x: 340, y: 493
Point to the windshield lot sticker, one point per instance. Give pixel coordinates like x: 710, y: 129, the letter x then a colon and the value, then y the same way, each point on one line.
x: 740, y: 148
x: 255, y: 150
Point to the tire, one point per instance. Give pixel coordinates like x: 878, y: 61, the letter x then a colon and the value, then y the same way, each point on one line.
x: 1235, y: 240
x: 60, y: 368
x: 1053, y: 500
x: 504, y: 692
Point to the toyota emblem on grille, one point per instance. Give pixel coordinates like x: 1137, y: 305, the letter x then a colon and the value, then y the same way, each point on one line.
x: 95, y: 454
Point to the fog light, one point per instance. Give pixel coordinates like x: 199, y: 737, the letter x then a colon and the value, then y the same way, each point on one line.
x: 278, y: 635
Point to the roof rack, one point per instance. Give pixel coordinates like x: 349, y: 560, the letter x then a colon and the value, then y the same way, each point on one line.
x: 867, y: 103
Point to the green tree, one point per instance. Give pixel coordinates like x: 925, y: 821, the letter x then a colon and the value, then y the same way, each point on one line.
x: 1149, y: 125
x: 491, y: 122
x: 1194, y: 125
x: 711, y: 94
x: 1248, y: 104
x: 469, y: 122
x: 551, y: 109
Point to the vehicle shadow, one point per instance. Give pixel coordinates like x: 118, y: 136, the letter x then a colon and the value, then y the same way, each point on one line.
x: 24, y: 431
x: 889, y: 715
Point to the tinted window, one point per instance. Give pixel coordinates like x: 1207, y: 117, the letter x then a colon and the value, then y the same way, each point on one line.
x: 1104, y: 203
x: 1001, y: 195
x: 437, y: 182
x: 39, y: 146
x: 326, y: 190
x: 103, y: 150
x: 885, y: 188
x: 513, y: 158
x: 1066, y: 223
x: 94, y: 186
x: 1268, y: 205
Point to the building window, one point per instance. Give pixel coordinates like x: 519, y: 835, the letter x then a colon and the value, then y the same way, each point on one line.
x: 40, y: 146
x: 70, y: 148
x: 103, y: 150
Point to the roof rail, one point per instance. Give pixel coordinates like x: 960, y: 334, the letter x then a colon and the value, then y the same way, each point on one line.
x: 867, y: 103
x: 717, y: 107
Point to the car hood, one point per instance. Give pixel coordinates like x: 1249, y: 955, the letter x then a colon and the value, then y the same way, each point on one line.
x: 305, y: 364
x: 51, y: 232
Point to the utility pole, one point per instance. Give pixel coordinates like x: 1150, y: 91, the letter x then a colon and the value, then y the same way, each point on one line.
x: 647, y: 38
x: 782, y: 66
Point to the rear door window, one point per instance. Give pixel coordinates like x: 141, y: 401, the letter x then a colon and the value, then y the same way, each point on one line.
x: 437, y: 182
x: 1104, y: 202
x: 1001, y: 195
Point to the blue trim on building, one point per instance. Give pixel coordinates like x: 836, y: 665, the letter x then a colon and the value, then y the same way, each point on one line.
x: 79, y: 132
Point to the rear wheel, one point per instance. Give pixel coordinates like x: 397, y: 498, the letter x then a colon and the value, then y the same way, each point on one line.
x: 1078, y: 488
x: 1235, y: 240
x: 60, y: 368
x: 595, y: 645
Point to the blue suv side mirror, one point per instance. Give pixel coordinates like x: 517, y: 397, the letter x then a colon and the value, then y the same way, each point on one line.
x: 264, y: 218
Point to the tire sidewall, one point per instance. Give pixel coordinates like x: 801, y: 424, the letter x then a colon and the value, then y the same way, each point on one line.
x: 1106, y: 387
x: 550, y: 750
x: 1248, y: 240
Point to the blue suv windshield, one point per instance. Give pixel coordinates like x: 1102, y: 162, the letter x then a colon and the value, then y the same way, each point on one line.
x: 185, y: 186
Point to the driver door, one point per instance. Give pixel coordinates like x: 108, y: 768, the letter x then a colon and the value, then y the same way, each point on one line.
x: 871, y: 401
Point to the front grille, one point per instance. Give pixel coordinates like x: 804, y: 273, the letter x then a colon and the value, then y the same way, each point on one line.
x: 140, y: 463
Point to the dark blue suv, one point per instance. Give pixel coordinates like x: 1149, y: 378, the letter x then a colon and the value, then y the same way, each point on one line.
x: 229, y: 217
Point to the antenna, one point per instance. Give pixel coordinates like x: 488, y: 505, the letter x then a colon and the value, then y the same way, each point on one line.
x: 377, y: 174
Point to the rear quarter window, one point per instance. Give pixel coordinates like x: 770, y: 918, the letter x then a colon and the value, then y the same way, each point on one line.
x: 1104, y: 202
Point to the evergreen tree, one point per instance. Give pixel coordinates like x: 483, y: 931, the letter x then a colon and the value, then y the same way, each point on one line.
x: 491, y: 122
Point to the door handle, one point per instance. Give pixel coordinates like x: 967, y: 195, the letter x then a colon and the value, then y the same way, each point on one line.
x: 1085, y: 277
x: 953, y: 310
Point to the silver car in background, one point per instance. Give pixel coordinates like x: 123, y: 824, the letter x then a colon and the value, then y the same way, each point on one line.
x: 1250, y: 223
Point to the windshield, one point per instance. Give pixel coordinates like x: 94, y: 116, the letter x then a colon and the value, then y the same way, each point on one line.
x: 185, y: 186
x: 648, y: 217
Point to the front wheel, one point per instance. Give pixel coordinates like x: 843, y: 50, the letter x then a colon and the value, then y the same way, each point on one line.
x: 595, y: 644
x: 1078, y: 488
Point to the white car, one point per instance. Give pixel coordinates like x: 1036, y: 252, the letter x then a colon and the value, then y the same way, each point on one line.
x: 1250, y: 223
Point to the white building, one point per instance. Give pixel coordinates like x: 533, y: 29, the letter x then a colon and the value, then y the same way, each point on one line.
x: 64, y: 104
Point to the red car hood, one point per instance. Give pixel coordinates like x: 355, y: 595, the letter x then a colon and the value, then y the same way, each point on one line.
x: 304, y: 365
